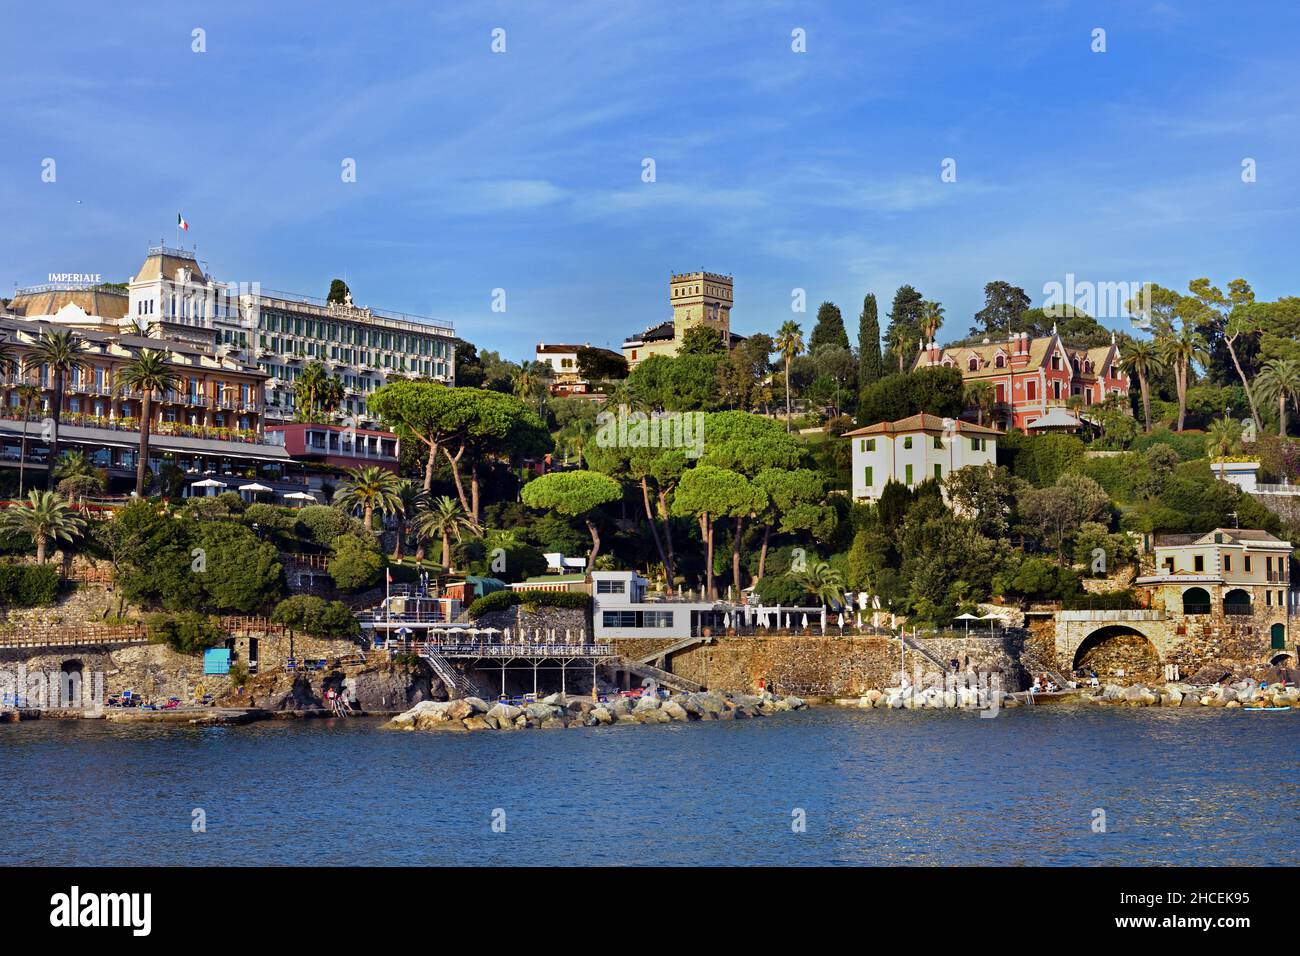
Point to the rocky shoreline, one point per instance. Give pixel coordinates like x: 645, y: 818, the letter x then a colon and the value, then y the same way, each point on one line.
x: 1243, y: 694
x: 559, y: 711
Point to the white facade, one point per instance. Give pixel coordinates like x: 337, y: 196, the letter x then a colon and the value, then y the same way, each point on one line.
x: 282, y: 333
x: 910, y: 456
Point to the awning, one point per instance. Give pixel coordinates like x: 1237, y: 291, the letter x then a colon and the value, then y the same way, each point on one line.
x: 1057, y: 417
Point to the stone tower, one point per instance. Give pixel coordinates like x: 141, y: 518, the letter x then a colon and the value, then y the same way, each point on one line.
x: 701, y: 298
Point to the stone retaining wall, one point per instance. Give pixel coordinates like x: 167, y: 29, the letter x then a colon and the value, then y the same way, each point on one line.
x: 835, y: 666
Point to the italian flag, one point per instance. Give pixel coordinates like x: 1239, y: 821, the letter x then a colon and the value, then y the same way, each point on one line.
x: 181, y: 223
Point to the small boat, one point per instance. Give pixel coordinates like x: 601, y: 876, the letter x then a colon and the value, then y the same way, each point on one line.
x: 1266, y: 708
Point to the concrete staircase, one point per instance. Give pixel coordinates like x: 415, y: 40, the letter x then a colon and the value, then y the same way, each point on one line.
x: 684, y: 644
x: 459, y: 684
x: 663, y: 678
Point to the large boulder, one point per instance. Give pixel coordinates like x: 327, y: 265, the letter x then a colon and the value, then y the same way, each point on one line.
x: 423, y: 715
x: 646, y: 702
x: 675, y: 711
x: 602, y: 715
x: 504, y: 712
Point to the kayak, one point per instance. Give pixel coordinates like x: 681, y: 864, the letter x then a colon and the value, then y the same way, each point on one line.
x: 1266, y: 708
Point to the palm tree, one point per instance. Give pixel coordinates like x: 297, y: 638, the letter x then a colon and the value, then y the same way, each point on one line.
x: 371, y: 489
x: 44, y: 517
x: 530, y: 383
x: 149, y: 374
x: 331, y: 395
x: 307, y: 390
x: 28, y: 395
x: 1181, y: 349
x: 789, y: 342
x: 931, y: 319
x: 442, y: 518
x: 898, y: 343
x: 60, y: 353
x: 1141, y: 357
x: 823, y: 582
x: 981, y: 397
x: 410, y: 499
x: 1280, y: 381
x: 1223, y: 437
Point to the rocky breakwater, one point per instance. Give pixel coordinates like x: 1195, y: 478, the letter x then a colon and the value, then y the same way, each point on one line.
x: 558, y: 711
x: 930, y: 698
x: 1241, y: 695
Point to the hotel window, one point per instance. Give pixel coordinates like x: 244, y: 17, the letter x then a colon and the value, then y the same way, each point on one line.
x: 866, y: 476
x: 977, y: 444
x: 1198, y: 563
x: 938, y: 442
x: 907, y: 442
x: 1001, y: 361
x: 938, y: 472
x: 1227, y: 562
x: 909, y: 476
x: 1268, y: 598
x: 1056, y: 362
x: 868, y: 444
x: 972, y: 365
x: 1056, y: 390
x: 1031, y: 390
x: 610, y: 587
x: 1247, y: 563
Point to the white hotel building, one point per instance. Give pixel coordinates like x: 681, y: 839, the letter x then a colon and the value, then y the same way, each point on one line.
x: 281, y: 333
x: 914, y: 449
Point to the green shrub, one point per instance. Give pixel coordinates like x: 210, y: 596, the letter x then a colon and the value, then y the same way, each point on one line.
x: 496, y: 601
x: 321, y: 524
x: 28, y: 585
x: 568, y: 599
x: 187, y: 632
x: 238, y: 674
x: 316, y: 616
x: 356, y: 563
x: 500, y: 600
x: 1189, y: 445
x: 780, y: 590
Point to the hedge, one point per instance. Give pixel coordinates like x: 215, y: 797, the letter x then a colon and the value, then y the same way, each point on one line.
x: 28, y: 585
x: 500, y: 600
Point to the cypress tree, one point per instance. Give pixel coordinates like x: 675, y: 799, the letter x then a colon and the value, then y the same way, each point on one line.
x: 868, y: 343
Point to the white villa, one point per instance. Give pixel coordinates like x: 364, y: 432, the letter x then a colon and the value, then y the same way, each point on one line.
x: 913, y: 449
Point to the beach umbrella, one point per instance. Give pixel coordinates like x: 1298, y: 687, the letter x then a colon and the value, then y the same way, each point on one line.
x: 967, y: 618
x: 805, y: 621
x: 255, y: 487
x: 841, y: 620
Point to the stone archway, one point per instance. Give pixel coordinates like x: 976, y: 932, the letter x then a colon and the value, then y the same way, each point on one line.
x: 1119, y: 654
x: 1196, y: 601
x: 70, y: 684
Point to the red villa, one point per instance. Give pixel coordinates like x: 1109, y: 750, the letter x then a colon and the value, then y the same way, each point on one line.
x: 1032, y: 376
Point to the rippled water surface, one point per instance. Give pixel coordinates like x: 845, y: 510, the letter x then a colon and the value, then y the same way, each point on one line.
x: 1203, y: 787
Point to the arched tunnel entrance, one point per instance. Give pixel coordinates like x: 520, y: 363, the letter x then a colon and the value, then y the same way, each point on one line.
x: 1119, y: 654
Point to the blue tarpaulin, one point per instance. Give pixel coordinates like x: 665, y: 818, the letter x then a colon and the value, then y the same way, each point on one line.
x: 216, y: 660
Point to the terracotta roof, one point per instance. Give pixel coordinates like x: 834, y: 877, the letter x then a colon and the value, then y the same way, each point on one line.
x: 1230, y: 535
x: 544, y: 349
x: 923, y: 423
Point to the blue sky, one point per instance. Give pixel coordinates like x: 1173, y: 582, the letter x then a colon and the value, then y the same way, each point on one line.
x: 523, y: 170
